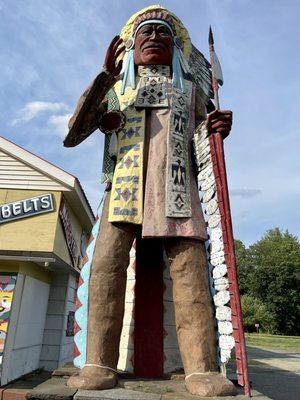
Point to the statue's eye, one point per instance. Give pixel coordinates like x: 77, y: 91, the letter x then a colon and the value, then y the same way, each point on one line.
x: 163, y: 31
x: 146, y: 32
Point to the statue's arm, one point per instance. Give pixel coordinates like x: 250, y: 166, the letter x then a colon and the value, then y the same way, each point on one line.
x: 90, y: 107
x: 91, y: 104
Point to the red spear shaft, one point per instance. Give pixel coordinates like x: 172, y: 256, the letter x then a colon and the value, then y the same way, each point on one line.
x: 219, y: 166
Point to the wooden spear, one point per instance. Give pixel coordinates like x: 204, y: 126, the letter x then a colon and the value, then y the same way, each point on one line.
x: 219, y: 166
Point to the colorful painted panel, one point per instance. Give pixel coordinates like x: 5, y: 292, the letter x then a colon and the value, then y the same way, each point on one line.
x: 7, y: 286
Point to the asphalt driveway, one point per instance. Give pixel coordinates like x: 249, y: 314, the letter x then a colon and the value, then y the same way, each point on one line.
x: 274, y: 373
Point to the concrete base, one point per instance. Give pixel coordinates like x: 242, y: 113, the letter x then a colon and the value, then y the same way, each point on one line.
x: 19, y: 389
x: 52, y: 389
x: 134, y: 389
x: 152, y: 390
x: 118, y: 393
x: 127, y: 389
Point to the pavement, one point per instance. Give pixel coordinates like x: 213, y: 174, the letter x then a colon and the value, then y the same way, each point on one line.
x: 274, y: 375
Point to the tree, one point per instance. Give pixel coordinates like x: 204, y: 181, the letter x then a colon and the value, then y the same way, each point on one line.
x: 271, y: 274
x: 243, y: 266
x: 256, y: 312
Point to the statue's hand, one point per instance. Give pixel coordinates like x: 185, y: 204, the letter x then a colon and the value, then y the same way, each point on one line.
x: 219, y: 121
x: 113, y: 52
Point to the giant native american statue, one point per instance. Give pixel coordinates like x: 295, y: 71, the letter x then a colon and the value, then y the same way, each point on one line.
x: 151, y: 96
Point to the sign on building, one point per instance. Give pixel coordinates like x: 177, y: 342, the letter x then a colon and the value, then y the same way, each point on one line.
x: 66, y: 222
x: 26, y: 208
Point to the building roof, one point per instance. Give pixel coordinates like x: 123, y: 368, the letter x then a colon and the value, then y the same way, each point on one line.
x: 21, y: 169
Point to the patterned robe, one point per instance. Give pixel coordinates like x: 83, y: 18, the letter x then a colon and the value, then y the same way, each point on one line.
x: 146, y: 159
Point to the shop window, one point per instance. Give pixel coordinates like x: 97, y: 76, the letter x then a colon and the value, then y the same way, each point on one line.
x: 70, y: 324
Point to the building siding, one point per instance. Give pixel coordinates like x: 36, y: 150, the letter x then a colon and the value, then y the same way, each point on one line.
x: 57, y: 348
x: 18, y: 175
x: 25, y: 334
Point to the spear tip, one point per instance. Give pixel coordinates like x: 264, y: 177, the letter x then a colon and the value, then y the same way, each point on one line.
x: 210, y: 36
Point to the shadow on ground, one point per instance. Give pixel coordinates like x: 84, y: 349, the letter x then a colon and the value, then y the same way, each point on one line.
x: 275, y: 374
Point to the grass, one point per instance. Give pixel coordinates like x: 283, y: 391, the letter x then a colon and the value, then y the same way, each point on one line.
x: 276, y: 342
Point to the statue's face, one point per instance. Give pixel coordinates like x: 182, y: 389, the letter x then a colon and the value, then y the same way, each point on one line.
x: 153, y: 45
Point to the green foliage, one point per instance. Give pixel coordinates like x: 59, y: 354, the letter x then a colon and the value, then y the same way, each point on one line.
x: 244, y: 269
x: 269, y: 271
x: 256, y: 312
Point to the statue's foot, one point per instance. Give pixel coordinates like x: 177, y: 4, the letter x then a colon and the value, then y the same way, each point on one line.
x: 209, y: 385
x: 93, y: 378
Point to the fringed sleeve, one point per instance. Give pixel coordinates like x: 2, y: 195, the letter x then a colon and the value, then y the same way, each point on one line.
x: 90, y: 107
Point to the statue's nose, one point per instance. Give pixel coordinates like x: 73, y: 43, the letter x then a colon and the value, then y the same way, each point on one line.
x: 153, y: 34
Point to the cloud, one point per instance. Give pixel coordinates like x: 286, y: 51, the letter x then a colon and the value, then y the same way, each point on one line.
x: 241, y: 216
x: 245, y: 193
x: 60, y: 123
x: 32, y: 109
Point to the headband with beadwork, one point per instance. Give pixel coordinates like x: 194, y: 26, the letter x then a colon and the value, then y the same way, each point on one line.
x: 154, y: 15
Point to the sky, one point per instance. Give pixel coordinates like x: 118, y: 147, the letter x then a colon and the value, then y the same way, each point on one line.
x: 51, y: 50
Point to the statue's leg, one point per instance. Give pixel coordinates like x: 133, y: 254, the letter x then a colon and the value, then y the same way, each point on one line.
x: 106, y: 304
x: 195, y: 323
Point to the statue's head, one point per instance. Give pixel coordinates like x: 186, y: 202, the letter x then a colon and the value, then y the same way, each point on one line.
x: 153, y: 44
x: 155, y: 36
